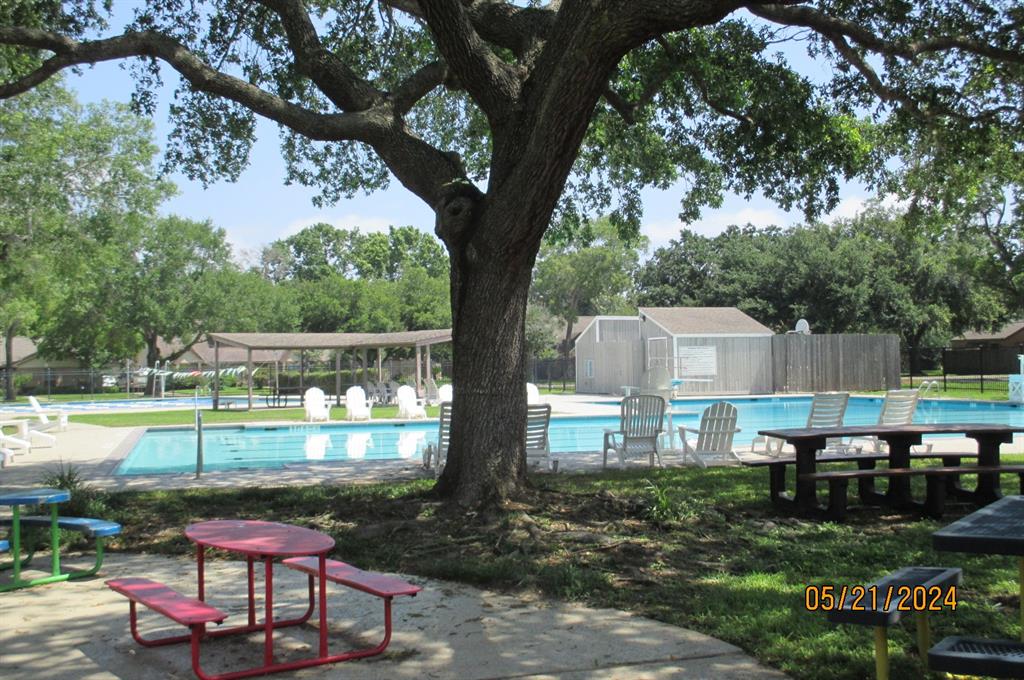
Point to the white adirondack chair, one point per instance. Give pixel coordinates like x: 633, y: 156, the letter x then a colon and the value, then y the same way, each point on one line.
x: 357, y: 406
x: 640, y: 426
x: 315, y: 403
x: 435, y: 455
x: 444, y: 393
x: 714, y: 438
x: 827, y: 410
x: 538, y: 447
x: 533, y: 394
x: 408, y: 405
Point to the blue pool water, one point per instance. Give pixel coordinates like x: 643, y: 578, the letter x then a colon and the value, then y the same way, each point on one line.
x: 174, y: 450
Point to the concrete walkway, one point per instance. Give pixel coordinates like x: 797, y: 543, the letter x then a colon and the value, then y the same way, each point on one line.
x: 79, y: 631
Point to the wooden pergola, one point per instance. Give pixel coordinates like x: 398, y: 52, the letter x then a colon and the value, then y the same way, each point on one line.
x: 326, y: 341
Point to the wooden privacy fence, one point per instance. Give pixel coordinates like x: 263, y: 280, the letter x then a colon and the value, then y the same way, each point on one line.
x: 825, y: 363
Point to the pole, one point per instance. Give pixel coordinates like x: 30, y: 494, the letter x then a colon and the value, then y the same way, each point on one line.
x: 199, y: 437
x: 216, y: 375
x: 981, y: 367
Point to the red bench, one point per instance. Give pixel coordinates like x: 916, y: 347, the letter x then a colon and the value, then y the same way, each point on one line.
x: 380, y: 585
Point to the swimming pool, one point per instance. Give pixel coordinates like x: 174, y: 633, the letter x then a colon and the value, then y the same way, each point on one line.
x: 257, y: 446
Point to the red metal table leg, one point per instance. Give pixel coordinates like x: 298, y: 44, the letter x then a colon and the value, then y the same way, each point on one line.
x: 268, y: 639
x: 252, y: 591
x: 323, y: 604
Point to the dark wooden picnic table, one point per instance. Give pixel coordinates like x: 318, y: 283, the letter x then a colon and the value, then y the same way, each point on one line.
x: 807, y: 441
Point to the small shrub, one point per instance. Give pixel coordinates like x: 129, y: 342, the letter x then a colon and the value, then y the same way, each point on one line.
x: 662, y: 509
x: 85, y: 500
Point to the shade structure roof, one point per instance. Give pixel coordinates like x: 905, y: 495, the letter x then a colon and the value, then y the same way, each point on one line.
x: 301, y: 341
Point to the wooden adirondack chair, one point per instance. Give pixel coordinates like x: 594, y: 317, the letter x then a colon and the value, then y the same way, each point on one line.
x: 640, y: 427
x: 538, y: 447
x: 714, y: 438
x: 827, y: 410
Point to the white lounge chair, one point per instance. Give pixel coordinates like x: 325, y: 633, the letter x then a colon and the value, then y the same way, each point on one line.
x: 827, y: 410
x: 408, y: 405
x: 532, y: 394
x: 44, y: 415
x: 435, y: 455
x: 538, y: 447
x: 315, y: 403
x: 640, y: 427
x: 357, y: 406
x: 898, y: 408
x: 714, y: 437
x: 444, y: 393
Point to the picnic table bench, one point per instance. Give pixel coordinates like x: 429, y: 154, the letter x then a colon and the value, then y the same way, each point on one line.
x: 936, y: 478
x: 276, y: 394
x: 900, y: 439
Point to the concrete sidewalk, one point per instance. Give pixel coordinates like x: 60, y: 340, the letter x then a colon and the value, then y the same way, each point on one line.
x: 79, y: 631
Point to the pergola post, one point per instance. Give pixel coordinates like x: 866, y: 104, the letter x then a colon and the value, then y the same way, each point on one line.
x: 366, y: 368
x: 216, y: 375
x: 430, y: 371
x: 419, y: 373
x: 380, y: 366
x: 337, y: 377
x: 248, y: 370
x: 302, y: 376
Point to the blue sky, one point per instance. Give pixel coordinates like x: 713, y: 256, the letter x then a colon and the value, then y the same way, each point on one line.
x: 260, y: 208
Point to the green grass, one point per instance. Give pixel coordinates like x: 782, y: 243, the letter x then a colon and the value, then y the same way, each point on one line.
x: 187, y: 417
x: 697, y: 548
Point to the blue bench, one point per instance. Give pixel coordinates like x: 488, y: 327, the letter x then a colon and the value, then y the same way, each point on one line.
x: 98, y: 529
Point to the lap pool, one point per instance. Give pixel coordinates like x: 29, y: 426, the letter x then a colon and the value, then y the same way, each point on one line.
x: 256, y: 446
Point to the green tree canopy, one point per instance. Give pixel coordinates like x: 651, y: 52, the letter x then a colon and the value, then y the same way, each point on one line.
x: 571, y: 106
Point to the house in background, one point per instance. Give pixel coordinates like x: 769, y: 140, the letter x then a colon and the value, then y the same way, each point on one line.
x: 26, y: 356
x: 710, y: 349
x: 1010, y: 335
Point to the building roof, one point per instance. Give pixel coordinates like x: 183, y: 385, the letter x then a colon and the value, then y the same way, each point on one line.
x: 23, y: 348
x: 580, y: 326
x: 1004, y: 333
x: 332, y: 340
x: 704, y: 321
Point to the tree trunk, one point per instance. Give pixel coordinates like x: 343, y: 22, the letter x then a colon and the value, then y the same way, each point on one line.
x: 486, y: 458
x: 9, y: 394
x: 567, y: 343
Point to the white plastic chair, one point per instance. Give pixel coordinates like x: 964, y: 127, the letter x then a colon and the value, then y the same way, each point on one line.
x: 827, y: 410
x: 44, y: 415
x: 898, y: 408
x: 538, y: 447
x: 444, y: 393
x: 714, y: 438
x: 357, y: 406
x: 435, y: 455
x: 640, y: 426
x: 408, y: 405
x: 315, y: 403
x: 532, y: 394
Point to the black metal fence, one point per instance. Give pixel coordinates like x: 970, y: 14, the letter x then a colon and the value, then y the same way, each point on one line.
x: 552, y: 374
x: 973, y: 369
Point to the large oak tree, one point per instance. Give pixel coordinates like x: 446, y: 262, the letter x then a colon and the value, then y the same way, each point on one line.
x: 570, y: 106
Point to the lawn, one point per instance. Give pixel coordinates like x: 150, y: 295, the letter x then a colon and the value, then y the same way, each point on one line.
x: 696, y: 548
x: 187, y: 417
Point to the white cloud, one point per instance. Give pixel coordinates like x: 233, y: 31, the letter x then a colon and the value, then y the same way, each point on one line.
x: 364, y: 223
x: 848, y: 208
x: 661, y: 231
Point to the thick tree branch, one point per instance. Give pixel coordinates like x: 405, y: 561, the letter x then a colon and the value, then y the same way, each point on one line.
x: 202, y: 77
x: 417, y: 86
x: 491, y: 82
x: 831, y: 26
x: 330, y: 74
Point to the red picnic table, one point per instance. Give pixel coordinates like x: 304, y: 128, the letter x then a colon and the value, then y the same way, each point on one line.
x: 307, y: 552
